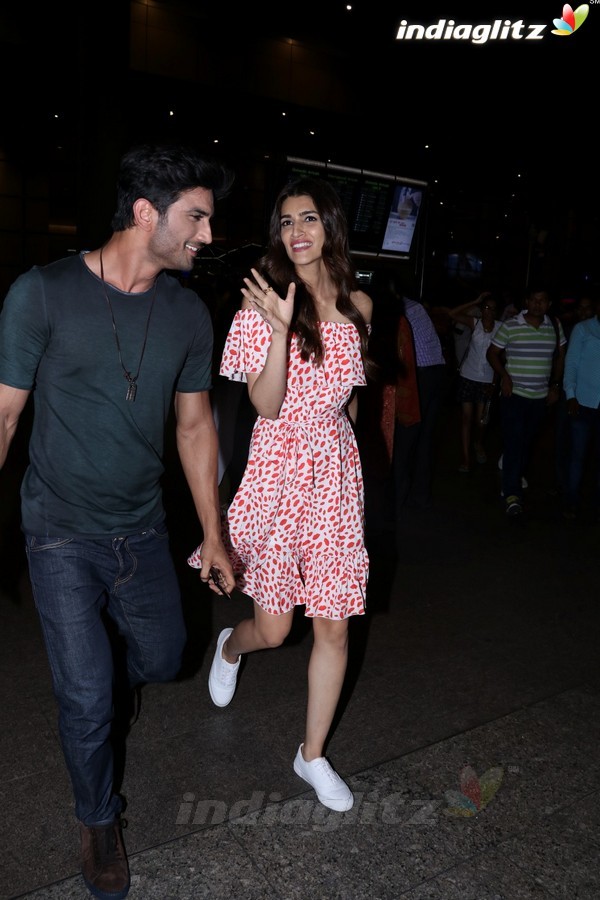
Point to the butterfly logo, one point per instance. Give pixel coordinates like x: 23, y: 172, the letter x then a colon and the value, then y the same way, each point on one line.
x: 570, y: 21
x: 475, y: 793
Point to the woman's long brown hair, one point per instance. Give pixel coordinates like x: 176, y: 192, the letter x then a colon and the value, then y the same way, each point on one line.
x: 279, y: 268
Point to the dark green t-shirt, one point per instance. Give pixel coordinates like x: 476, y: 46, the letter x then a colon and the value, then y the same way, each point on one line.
x: 95, y: 458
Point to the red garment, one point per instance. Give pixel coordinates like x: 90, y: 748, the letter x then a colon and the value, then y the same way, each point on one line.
x: 407, y: 408
x: 385, y: 404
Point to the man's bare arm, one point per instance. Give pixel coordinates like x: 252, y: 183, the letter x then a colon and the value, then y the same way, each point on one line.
x: 12, y: 402
x: 197, y: 444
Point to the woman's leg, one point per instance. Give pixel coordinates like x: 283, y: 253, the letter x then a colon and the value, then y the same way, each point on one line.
x: 326, y: 672
x: 262, y: 632
x: 479, y: 430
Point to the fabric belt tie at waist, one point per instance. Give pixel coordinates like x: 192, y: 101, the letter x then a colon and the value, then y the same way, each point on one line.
x: 294, y: 432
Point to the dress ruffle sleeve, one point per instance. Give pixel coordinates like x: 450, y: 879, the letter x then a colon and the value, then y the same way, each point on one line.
x: 343, y: 362
x: 246, y: 345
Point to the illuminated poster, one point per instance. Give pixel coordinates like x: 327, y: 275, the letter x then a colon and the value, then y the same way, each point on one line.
x: 402, y: 218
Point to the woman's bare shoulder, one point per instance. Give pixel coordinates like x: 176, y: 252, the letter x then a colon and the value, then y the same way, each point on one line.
x: 363, y: 303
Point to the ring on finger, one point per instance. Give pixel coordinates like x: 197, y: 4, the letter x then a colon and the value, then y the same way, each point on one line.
x: 267, y: 289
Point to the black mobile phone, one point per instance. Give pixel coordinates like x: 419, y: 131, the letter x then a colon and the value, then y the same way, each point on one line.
x: 217, y: 579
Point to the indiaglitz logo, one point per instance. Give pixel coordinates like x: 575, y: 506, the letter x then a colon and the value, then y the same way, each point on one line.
x: 475, y: 793
x: 498, y: 30
x: 448, y: 30
x: 571, y: 20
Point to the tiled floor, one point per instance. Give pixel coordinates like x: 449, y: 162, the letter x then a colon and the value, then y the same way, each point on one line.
x: 474, y: 673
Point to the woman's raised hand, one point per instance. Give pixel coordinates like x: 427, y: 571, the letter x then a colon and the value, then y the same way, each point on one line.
x: 269, y: 305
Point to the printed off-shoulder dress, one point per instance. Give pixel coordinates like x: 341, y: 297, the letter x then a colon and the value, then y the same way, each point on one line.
x: 295, y: 528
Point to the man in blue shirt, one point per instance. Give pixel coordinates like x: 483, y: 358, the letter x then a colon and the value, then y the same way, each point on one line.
x: 582, y: 390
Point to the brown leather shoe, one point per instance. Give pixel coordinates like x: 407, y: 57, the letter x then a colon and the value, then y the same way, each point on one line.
x: 103, y: 860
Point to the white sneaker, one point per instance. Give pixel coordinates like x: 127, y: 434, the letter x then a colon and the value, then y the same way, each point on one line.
x: 222, y: 677
x: 331, y: 790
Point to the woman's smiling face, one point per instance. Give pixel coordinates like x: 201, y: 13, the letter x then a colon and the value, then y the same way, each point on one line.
x: 302, y: 230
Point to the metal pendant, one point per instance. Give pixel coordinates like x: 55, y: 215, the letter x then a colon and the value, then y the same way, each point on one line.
x: 131, y: 391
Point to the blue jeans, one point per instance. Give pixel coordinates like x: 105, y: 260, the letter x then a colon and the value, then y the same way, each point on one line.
x: 75, y: 581
x: 563, y: 443
x: 521, y: 419
x: 585, y: 424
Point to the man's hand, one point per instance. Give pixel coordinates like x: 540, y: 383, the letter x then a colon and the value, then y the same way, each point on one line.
x: 216, y: 560
x: 506, y: 385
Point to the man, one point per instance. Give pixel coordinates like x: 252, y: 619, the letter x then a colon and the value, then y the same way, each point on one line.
x: 107, y: 341
x: 582, y: 391
x: 579, y: 310
x: 527, y: 353
x: 412, y: 448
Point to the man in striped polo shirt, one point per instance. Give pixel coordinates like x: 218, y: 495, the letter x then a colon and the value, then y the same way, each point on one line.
x: 528, y: 354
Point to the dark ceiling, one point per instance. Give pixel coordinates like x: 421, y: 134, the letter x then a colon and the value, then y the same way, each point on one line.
x: 481, y: 123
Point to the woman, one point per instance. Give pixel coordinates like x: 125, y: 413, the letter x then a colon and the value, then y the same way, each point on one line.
x: 476, y: 377
x: 296, y: 522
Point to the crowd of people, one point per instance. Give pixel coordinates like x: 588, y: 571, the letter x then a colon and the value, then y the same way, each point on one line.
x: 109, y: 342
x: 516, y: 363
